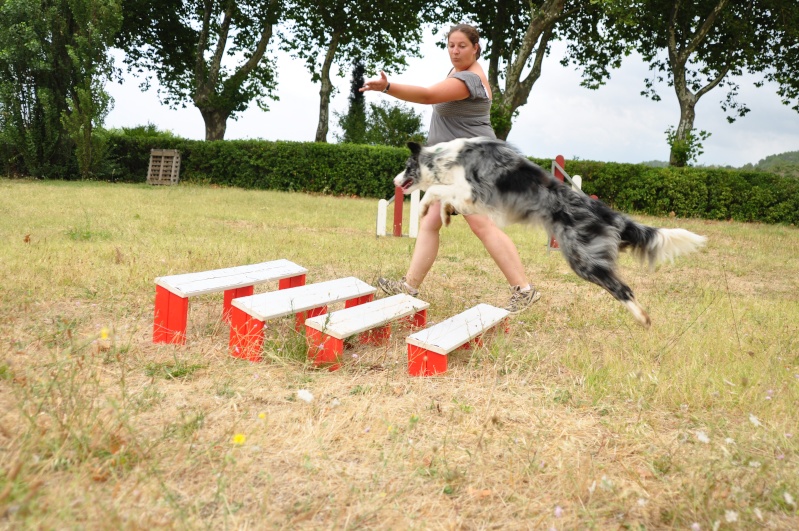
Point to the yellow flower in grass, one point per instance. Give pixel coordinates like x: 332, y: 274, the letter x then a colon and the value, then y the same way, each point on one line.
x: 104, y: 333
x: 239, y: 439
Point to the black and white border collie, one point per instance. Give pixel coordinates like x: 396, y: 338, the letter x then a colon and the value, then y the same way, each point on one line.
x: 489, y: 177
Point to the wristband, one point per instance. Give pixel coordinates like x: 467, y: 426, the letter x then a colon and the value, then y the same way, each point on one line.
x: 388, y: 86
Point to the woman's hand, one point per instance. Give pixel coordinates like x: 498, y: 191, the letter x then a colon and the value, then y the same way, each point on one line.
x: 376, y: 84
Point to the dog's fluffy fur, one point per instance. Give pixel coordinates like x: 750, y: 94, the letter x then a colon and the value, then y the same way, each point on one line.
x: 489, y: 177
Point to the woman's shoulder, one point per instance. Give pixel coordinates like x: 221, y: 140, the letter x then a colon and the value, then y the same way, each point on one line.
x: 474, y: 82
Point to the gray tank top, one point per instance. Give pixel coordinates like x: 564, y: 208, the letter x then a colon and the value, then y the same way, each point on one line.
x: 466, y: 118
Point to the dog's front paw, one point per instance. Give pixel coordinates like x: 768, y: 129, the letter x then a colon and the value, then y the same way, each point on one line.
x: 424, y: 204
x: 446, y: 213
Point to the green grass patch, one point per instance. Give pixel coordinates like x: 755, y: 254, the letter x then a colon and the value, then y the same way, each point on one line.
x: 576, y: 418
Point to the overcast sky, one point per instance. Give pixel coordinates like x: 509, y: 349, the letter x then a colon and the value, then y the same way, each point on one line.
x: 614, y: 123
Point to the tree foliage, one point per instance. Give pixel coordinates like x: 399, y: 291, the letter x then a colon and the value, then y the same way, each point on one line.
x: 702, y: 45
x: 379, y: 33
x: 517, y: 36
x: 53, y: 66
x: 384, y: 124
x: 211, y: 53
x: 394, y: 124
x: 353, y: 122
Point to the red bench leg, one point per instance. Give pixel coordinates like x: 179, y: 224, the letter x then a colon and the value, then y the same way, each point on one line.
x: 422, y: 362
x: 231, y: 294
x: 417, y: 320
x: 300, y: 317
x: 376, y: 336
x: 171, y: 314
x: 291, y: 282
x: 246, y: 335
x: 359, y: 300
x: 323, y: 349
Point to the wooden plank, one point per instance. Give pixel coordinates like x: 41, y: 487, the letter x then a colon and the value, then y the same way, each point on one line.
x: 199, y: 283
x: 448, y: 335
x: 290, y: 301
x: 345, y: 323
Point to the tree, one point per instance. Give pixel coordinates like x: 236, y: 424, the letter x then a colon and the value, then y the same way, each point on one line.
x: 394, y: 124
x: 53, y: 64
x: 516, y: 36
x: 705, y: 44
x: 378, y: 32
x: 353, y: 122
x: 207, y: 52
x: 96, y: 23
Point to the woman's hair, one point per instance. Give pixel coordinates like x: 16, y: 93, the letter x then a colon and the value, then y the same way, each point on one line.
x: 471, y: 33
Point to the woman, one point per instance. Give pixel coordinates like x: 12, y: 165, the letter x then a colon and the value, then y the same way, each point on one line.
x: 461, y: 109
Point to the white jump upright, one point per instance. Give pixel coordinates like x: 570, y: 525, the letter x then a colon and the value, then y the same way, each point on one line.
x: 248, y: 314
x: 371, y: 321
x: 172, y: 292
x: 428, y: 348
x: 413, y: 222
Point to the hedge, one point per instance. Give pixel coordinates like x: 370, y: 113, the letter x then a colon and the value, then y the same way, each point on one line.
x: 368, y: 171
x: 337, y: 169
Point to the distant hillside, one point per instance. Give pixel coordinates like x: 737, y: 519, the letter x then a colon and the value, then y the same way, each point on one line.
x: 786, y: 164
x: 656, y: 163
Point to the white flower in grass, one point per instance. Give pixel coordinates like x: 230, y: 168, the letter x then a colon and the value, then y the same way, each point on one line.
x: 305, y: 395
x: 728, y: 440
x: 702, y: 437
x: 696, y: 527
x: 754, y: 420
x: 730, y: 516
x: 558, y: 511
x: 789, y: 499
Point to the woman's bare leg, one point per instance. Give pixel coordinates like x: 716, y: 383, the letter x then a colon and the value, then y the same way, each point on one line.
x: 500, y: 247
x: 426, y: 248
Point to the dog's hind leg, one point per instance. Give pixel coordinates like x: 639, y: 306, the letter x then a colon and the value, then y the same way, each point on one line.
x: 608, y: 279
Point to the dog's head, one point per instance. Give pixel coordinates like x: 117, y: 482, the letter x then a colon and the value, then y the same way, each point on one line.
x: 410, y: 179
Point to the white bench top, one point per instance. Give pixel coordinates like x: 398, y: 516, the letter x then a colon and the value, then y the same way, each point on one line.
x: 190, y: 284
x: 448, y: 335
x: 350, y: 321
x: 274, y: 304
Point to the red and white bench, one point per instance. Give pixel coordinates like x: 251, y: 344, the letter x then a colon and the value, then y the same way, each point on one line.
x: 428, y: 348
x: 371, y: 321
x: 248, y: 314
x: 172, y: 292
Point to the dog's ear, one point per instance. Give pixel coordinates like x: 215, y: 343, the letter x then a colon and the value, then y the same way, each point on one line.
x: 415, y: 148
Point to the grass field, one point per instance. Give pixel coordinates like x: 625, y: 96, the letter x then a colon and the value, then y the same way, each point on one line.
x: 577, y: 418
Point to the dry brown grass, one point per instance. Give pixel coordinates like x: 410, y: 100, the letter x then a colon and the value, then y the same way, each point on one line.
x: 576, y: 419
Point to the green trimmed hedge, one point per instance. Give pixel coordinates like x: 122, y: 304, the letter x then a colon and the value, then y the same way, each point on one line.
x: 337, y: 169
x: 368, y: 171
x: 690, y: 192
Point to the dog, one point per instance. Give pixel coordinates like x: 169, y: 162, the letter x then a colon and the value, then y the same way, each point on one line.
x: 490, y: 177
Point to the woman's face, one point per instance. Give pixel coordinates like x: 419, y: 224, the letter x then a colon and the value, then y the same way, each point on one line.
x: 462, y: 52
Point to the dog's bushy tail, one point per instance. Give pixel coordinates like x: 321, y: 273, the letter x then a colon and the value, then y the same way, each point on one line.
x: 654, y: 246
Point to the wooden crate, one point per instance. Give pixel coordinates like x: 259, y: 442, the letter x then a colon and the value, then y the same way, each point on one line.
x: 164, y: 166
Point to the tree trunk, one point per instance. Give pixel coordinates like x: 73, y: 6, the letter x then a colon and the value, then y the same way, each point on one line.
x: 506, y: 102
x: 215, y: 123
x: 501, y: 118
x: 326, y: 90
x: 681, y: 144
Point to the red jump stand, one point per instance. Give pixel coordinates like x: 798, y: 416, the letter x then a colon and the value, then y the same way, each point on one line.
x: 172, y: 292
x: 428, y: 348
x: 370, y: 321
